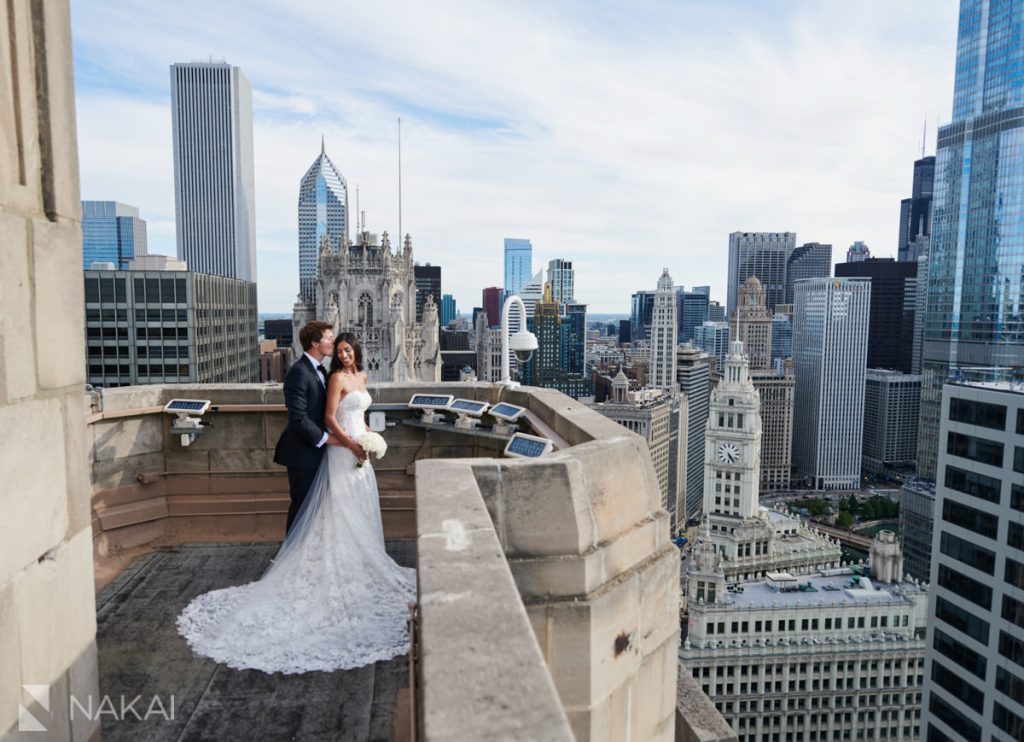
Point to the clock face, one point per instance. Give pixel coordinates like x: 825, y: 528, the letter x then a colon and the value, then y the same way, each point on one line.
x: 728, y: 453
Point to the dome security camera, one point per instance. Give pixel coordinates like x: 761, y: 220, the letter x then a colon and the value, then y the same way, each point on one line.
x: 523, y: 343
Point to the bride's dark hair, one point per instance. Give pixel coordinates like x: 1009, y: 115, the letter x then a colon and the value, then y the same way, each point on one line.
x: 346, y: 337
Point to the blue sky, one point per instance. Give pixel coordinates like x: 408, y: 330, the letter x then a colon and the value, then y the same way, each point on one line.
x: 625, y: 137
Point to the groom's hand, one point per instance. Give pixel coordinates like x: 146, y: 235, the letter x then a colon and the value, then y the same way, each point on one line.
x: 333, y: 440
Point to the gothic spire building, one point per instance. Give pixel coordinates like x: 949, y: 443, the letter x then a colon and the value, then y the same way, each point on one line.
x: 370, y: 291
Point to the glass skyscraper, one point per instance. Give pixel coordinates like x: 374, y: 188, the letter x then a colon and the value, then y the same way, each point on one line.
x: 518, y: 266
x: 975, y: 276
x: 112, y: 232
x: 323, y: 211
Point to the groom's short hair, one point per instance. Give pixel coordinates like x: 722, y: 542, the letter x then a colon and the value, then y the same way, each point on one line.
x: 313, y: 332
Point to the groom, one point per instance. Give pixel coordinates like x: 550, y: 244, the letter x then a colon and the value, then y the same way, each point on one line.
x: 301, y: 445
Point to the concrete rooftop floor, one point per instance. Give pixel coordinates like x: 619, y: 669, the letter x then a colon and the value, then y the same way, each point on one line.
x: 141, y: 654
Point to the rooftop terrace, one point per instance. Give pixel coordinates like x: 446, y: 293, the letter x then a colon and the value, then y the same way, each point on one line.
x: 548, y: 588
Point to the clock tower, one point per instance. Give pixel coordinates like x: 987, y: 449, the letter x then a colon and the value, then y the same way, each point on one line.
x: 732, y: 442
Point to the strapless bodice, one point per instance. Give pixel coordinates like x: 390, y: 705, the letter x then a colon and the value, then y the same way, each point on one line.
x: 352, y: 410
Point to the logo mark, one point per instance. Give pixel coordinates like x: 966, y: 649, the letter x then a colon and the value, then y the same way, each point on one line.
x: 41, y: 695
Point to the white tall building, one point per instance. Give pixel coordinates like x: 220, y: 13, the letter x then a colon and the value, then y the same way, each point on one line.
x: 830, y: 345
x: 974, y: 671
x: 214, y: 184
x: 663, y: 335
x: 561, y: 278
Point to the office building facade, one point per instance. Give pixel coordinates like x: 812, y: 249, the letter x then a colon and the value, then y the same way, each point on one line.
x: 692, y: 311
x: 428, y: 283
x: 830, y: 344
x: 810, y: 260
x: 693, y: 375
x: 891, y: 409
x: 974, y: 671
x: 776, y: 388
x: 492, y: 299
x: 169, y: 327
x: 917, y: 517
x: 448, y: 309
x: 641, y: 311
x: 975, y: 315
x: 761, y: 254
x: 891, y: 330
x: 214, y: 182
x: 561, y: 278
x: 323, y: 214
x: 112, y: 232
x: 518, y: 265
x: 713, y: 339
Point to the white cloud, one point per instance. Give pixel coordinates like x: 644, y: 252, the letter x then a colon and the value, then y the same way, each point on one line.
x: 626, y: 139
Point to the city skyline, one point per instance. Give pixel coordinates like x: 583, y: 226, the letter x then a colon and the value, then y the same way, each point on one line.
x: 531, y: 147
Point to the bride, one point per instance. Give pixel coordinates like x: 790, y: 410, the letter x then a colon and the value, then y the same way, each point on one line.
x: 332, y: 598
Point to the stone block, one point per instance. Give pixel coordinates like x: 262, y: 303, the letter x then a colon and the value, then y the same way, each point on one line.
x: 544, y: 508
x: 77, y: 472
x: 243, y: 460
x: 34, y: 499
x: 25, y: 198
x: 128, y: 436
x: 133, y: 513
x: 556, y: 578
x: 10, y: 653
x: 186, y: 460
x: 187, y: 485
x: 634, y: 546
x: 619, y: 479
x: 657, y: 704
x: 121, y: 540
x: 659, y: 596
x: 275, y: 484
x: 109, y: 475
x: 118, y: 399
x: 60, y: 96
x: 621, y: 704
x: 273, y: 425
x: 17, y: 346
x: 569, y: 652
x: 232, y: 430
x: 53, y: 633
x: 276, y: 502
x: 83, y: 684
x: 59, y: 315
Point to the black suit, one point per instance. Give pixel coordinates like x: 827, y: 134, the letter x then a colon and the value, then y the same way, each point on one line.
x: 305, y: 396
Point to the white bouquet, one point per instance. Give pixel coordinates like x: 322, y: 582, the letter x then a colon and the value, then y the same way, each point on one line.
x: 373, y: 444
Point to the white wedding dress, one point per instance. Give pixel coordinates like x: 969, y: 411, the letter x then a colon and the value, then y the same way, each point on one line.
x: 332, y: 598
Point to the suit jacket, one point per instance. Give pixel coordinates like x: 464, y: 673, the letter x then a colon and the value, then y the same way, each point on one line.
x: 305, y: 397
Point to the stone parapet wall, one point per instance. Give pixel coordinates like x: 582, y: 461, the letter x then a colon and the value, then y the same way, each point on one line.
x: 587, y: 543
x: 47, y: 609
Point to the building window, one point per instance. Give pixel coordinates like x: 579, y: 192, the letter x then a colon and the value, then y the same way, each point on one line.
x: 973, y: 484
x: 970, y: 518
x: 982, y: 414
x: 1013, y: 573
x: 964, y: 586
x: 1011, y: 647
x: 960, y: 654
x: 1008, y: 721
x: 953, y: 718
x: 974, y: 448
x: 961, y: 620
x: 968, y: 553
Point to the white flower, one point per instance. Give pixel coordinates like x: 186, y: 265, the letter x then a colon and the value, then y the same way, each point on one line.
x: 373, y: 444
